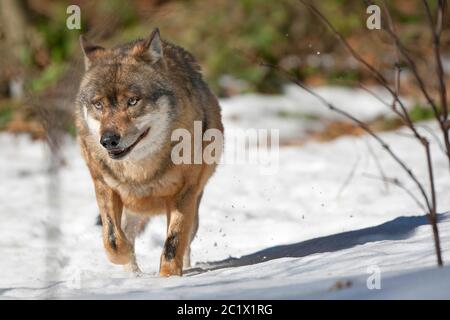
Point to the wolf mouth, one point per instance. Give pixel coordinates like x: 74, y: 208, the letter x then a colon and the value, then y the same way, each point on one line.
x: 119, y: 153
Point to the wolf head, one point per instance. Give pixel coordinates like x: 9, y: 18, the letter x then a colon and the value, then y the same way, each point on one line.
x: 126, y: 98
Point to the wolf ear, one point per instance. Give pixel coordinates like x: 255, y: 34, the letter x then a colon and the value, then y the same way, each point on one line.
x: 153, y: 46
x: 90, y: 51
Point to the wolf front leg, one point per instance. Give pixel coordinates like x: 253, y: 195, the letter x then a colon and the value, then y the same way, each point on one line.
x: 118, y: 249
x: 181, y: 216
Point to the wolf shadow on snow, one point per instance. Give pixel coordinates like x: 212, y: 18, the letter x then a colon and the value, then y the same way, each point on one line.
x: 397, y: 229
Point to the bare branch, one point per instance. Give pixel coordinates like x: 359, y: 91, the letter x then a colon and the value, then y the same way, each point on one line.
x: 430, y: 200
x: 396, y: 182
x: 380, y: 78
x: 436, y: 34
x: 373, y: 94
x: 360, y: 123
x: 397, y: 56
x: 413, y: 67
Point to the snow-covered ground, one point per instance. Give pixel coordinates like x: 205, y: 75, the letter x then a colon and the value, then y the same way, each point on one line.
x: 297, y: 113
x: 317, y: 223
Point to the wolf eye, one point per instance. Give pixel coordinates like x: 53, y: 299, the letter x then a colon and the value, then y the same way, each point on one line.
x: 132, y: 101
x: 97, y: 105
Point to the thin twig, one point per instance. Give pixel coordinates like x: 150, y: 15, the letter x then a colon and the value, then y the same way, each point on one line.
x: 377, y: 75
x: 349, y: 177
x: 433, y: 134
x: 360, y: 123
x: 436, y: 40
x: 430, y: 200
x: 436, y: 35
x: 378, y: 164
x: 397, y: 56
x: 373, y: 94
x: 396, y: 182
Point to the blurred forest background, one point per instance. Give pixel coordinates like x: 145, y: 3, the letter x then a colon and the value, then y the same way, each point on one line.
x: 41, y: 62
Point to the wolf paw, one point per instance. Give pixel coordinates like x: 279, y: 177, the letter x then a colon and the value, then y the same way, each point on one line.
x: 169, y: 269
x: 133, y: 268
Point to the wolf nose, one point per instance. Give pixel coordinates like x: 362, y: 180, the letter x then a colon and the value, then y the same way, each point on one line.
x: 110, y: 140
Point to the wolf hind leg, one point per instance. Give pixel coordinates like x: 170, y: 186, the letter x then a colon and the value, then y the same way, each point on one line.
x: 133, y: 225
x: 187, y: 253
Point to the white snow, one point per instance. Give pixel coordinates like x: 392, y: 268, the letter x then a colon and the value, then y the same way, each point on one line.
x: 294, y: 234
x: 296, y: 112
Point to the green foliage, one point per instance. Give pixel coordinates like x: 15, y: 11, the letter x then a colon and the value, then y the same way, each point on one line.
x: 57, y: 37
x: 297, y: 115
x: 227, y: 37
x: 48, y: 77
x: 343, y: 78
x: 227, y: 43
x: 26, y: 57
x: 71, y: 129
x: 258, y: 30
x: 419, y: 112
x: 344, y: 15
x: 124, y: 12
x: 6, y: 111
x: 410, y: 19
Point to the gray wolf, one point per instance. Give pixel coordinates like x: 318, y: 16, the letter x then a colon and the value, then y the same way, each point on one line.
x: 130, y: 99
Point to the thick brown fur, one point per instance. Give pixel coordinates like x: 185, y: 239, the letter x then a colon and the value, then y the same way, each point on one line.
x: 172, y: 95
